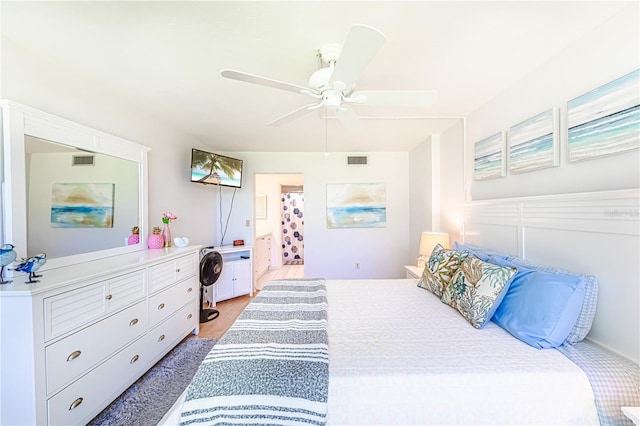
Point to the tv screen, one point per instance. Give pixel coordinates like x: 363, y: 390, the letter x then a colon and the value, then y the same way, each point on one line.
x: 215, y: 169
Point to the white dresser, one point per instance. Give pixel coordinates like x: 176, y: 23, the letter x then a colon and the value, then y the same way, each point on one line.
x: 77, y: 339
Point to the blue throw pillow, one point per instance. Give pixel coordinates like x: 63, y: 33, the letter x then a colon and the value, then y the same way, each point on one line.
x: 540, y: 308
x: 481, y: 253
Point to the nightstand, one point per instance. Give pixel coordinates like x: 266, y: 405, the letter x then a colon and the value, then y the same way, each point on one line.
x: 413, y: 271
x: 633, y: 413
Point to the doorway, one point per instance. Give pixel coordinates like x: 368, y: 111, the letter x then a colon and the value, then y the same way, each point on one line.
x: 279, y: 226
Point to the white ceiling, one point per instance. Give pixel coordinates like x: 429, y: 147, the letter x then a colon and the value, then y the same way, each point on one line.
x: 166, y: 58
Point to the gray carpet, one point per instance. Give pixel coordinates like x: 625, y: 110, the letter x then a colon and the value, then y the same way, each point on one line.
x: 148, y: 399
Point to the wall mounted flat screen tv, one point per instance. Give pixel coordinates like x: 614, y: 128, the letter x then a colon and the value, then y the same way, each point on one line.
x: 215, y: 169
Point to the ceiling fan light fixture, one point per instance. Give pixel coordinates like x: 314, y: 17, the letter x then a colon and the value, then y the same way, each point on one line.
x: 320, y: 78
x: 332, y: 100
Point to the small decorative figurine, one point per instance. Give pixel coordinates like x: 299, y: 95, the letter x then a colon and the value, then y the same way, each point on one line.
x: 31, y: 265
x: 134, y: 238
x: 7, y: 256
x: 155, y: 240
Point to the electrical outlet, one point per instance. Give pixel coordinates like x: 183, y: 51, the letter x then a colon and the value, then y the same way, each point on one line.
x: 357, y: 265
x: 247, y: 223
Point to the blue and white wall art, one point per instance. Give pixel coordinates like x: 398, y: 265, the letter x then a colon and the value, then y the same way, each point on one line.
x: 533, y: 143
x: 489, y: 157
x: 356, y: 205
x: 82, y: 205
x: 605, y: 120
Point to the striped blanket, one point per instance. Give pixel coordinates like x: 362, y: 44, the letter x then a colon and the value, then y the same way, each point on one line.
x: 272, y: 365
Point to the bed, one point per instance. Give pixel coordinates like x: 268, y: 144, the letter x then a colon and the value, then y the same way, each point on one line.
x: 396, y: 355
x: 419, y: 362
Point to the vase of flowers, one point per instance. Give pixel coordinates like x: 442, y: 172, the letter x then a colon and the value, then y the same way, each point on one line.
x: 167, y: 217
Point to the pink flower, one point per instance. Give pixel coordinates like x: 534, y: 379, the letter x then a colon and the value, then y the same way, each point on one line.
x: 168, y: 217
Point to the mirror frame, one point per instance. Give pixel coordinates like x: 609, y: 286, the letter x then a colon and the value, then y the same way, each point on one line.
x: 20, y: 120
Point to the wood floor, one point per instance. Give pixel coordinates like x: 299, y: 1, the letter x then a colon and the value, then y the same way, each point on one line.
x: 230, y: 309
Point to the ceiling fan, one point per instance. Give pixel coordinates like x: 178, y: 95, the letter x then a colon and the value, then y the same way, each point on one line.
x: 333, y: 86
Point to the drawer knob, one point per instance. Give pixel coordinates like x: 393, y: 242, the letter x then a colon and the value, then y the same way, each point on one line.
x: 189, y: 316
x: 161, y: 306
x: 134, y: 359
x: 108, y: 297
x: 75, y: 403
x: 161, y: 338
x: 189, y: 290
x: 177, y: 269
x: 133, y: 322
x: 73, y: 355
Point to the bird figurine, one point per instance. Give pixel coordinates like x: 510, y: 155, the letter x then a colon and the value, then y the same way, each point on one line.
x: 7, y: 256
x: 31, y: 265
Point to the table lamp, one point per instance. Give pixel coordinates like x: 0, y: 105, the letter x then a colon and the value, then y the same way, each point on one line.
x: 428, y: 241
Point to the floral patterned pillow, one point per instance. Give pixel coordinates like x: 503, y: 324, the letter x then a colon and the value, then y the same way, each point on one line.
x: 477, y: 288
x: 442, y: 265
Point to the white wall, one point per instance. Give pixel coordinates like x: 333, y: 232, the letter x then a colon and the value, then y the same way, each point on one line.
x: 420, y: 180
x: 452, y: 180
x: 608, y: 52
x: 436, y: 180
x: 332, y: 253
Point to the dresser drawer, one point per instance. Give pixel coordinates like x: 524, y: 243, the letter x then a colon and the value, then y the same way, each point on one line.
x: 186, y: 266
x: 84, y: 399
x: 125, y: 289
x: 168, y: 333
x: 75, y: 354
x: 167, y: 273
x: 73, y: 309
x: 165, y: 303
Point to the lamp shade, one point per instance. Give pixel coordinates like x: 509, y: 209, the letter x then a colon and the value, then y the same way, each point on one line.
x: 429, y: 240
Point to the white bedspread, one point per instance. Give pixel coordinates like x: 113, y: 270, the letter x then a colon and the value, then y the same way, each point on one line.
x: 397, y: 355
x: 400, y: 356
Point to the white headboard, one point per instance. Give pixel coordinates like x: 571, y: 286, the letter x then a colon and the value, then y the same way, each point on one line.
x: 596, y: 233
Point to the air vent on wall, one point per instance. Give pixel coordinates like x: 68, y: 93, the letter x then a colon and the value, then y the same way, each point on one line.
x: 83, y: 160
x: 357, y: 160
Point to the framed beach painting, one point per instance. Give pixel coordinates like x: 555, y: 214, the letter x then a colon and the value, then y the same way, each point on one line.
x: 606, y: 120
x: 489, y: 157
x: 82, y: 205
x: 356, y: 205
x: 534, y: 143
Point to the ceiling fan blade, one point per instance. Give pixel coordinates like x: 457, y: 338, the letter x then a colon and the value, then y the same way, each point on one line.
x: 262, y: 81
x: 363, y: 42
x: 403, y: 98
x: 349, y: 120
x: 293, y: 115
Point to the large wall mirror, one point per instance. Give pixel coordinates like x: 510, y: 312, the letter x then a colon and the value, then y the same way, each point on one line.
x: 71, y: 192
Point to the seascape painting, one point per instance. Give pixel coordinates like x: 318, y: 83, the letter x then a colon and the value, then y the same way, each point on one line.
x: 82, y: 205
x: 533, y: 143
x: 606, y: 120
x: 488, y: 159
x: 356, y: 205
